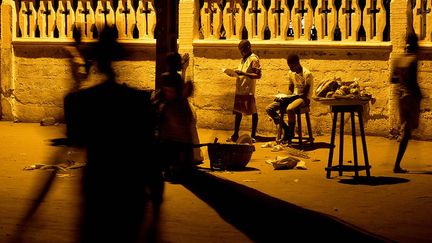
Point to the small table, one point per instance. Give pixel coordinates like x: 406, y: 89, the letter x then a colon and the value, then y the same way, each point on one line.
x: 350, y: 106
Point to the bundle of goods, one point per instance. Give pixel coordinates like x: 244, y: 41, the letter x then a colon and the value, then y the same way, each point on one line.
x: 336, y: 88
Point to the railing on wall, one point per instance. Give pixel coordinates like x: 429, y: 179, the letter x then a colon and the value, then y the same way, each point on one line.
x: 331, y: 20
x: 55, y: 19
x: 422, y: 19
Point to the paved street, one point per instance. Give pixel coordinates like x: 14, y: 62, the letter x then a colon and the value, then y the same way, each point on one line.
x: 239, y: 206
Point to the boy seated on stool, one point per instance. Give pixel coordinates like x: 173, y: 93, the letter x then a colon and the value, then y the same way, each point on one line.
x: 300, y: 83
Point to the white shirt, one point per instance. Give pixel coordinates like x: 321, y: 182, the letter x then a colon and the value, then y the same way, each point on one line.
x: 246, y: 85
x: 300, y: 80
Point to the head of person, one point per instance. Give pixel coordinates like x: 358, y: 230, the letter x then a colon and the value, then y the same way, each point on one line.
x: 245, y: 48
x: 293, y: 61
x: 107, y: 49
x: 174, y: 61
x: 411, y: 42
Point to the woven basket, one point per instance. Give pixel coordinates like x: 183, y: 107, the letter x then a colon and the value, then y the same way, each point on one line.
x: 227, y: 156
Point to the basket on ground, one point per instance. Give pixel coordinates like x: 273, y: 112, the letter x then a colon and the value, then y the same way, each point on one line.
x: 228, y: 156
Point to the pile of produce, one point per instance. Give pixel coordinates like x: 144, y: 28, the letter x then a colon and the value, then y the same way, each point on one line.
x: 336, y: 88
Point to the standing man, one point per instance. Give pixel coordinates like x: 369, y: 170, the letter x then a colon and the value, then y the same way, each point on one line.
x: 300, y: 83
x: 248, y: 71
x: 408, y: 94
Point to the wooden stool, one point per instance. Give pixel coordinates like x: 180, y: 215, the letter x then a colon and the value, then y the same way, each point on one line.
x: 303, y: 110
x: 350, y: 109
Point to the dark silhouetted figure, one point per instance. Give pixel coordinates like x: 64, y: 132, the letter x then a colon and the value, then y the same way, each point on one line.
x: 248, y: 71
x: 408, y: 93
x: 176, y: 120
x: 115, y: 124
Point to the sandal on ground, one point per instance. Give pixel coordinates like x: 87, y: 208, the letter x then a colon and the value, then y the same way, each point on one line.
x: 400, y: 170
x: 232, y: 139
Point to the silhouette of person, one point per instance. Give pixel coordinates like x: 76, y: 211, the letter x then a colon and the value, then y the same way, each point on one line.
x: 408, y: 93
x: 300, y: 82
x: 248, y: 71
x: 115, y: 124
x: 176, y: 120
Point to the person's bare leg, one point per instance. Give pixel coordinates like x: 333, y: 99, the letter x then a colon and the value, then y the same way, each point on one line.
x: 254, y: 125
x: 238, y: 118
x: 402, y: 148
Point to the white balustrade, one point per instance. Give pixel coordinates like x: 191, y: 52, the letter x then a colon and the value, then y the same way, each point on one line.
x: 56, y: 19
x: 355, y: 19
x: 219, y: 19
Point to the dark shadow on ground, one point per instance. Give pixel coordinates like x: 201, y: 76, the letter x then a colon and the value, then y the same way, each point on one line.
x: 236, y: 170
x: 260, y: 138
x: 373, y: 180
x: 267, y: 219
x: 310, y: 147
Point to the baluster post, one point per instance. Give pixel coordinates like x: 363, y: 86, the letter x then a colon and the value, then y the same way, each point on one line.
x: 206, y: 12
x: 356, y: 20
x: 232, y: 19
x: 46, y: 19
x: 262, y: 20
x: 347, y: 15
x: 369, y: 19
x: 125, y: 19
x: 253, y: 19
x: 284, y: 20
x: 27, y: 18
x: 217, y: 19
x: 65, y: 18
x: 429, y: 22
x: 308, y: 19
x: 146, y: 19
x: 85, y: 18
x: 421, y: 12
x: 297, y: 19
x: 380, y: 20
x: 332, y: 20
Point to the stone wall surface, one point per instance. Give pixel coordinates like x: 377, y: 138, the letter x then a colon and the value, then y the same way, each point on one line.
x: 36, y: 77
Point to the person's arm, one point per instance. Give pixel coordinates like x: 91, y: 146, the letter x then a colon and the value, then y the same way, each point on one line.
x: 309, y: 81
x: 290, y: 84
x: 253, y: 72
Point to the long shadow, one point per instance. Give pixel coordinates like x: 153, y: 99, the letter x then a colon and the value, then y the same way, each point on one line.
x: 314, y: 146
x: 373, y: 180
x: 267, y: 219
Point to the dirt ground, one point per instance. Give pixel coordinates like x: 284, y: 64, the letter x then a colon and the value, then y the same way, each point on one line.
x: 239, y: 206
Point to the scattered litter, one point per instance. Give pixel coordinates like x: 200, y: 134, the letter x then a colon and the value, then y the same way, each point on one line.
x: 297, y: 153
x: 268, y: 145
x: 349, y: 161
x: 283, y: 163
x: 336, y: 209
x: 301, y: 165
x: 249, y: 180
x: 277, y: 148
x: 69, y: 164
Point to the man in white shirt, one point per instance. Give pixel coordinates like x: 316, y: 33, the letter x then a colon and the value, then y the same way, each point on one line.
x: 300, y: 83
x: 248, y: 71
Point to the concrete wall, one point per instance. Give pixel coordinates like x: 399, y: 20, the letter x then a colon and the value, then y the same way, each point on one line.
x: 35, y: 77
